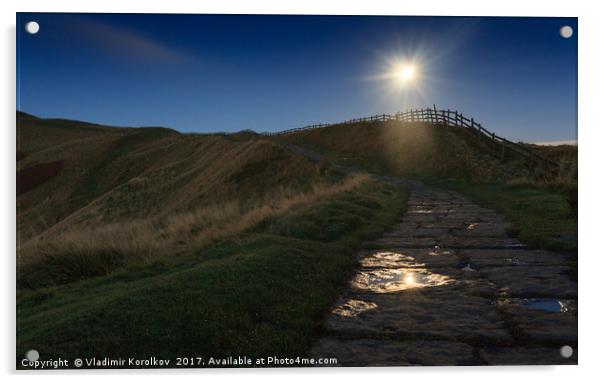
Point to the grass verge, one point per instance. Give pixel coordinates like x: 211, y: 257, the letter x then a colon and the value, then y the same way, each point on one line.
x: 261, y: 293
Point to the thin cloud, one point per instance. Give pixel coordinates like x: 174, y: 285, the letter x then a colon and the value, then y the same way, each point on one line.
x: 132, y: 44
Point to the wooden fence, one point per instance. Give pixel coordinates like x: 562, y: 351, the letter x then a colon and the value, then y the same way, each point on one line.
x: 499, y: 145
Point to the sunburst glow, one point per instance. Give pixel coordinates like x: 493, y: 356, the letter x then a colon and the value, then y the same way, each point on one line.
x: 404, y: 73
x: 405, y: 78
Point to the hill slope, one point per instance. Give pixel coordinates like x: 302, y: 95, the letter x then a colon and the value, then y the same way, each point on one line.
x: 114, y: 185
x: 410, y: 149
x: 81, y: 185
x: 146, y: 242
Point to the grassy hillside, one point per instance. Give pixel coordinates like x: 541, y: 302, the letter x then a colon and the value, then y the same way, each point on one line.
x: 543, y: 210
x: 565, y: 155
x: 114, y: 186
x: 145, y: 241
x: 260, y: 293
x: 410, y: 149
x: 115, y: 173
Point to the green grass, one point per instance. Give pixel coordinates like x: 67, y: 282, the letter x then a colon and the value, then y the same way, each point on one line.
x: 542, y: 213
x: 261, y: 293
x: 540, y: 217
x: 410, y: 149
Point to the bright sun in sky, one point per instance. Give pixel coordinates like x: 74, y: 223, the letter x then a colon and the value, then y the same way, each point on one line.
x: 405, y: 73
x: 405, y: 79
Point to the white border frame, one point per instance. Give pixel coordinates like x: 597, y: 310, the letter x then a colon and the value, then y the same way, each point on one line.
x: 590, y: 140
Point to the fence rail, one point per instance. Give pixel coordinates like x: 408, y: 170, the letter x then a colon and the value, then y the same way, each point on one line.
x: 500, y: 145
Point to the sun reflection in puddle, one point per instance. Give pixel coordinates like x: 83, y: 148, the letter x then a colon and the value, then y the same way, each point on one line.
x: 391, y: 280
x: 438, y: 252
x: 353, y: 307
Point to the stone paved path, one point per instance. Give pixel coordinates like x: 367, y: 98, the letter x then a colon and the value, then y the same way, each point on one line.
x: 447, y: 286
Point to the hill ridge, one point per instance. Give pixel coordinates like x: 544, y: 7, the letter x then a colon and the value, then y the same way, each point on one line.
x: 445, y: 117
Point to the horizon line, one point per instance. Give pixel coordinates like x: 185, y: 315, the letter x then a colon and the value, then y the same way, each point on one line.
x: 571, y: 142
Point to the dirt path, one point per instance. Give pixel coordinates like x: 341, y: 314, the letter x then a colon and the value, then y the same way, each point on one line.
x: 447, y: 286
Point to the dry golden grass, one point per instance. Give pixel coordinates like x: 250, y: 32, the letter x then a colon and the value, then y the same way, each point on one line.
x: 134, y: 194
x: 109, y: 246
x: 121, y: 179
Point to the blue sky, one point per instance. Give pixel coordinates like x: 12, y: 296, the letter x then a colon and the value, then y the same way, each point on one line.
x: 206, y: 73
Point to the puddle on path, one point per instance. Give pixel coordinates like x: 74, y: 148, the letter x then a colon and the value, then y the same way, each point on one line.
x: 421, y: 211
x: 441, y: 252
x: 353, y: 307
x: 542, y: 304
x: 391, y: 280
x: 390, y: 259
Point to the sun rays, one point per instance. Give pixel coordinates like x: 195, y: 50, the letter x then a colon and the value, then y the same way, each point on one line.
x: 405, y: 78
